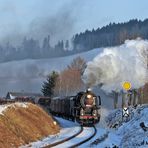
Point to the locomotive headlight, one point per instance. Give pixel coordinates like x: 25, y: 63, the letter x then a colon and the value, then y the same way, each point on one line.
x: 89, y: 96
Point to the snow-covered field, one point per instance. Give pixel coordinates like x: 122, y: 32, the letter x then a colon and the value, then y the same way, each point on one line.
x: 68, y: 129
x: 128, y: 135
x: 28, y: 75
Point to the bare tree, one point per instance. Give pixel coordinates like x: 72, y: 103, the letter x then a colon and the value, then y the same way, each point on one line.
x: 79, y: 64
x: 68, y: 82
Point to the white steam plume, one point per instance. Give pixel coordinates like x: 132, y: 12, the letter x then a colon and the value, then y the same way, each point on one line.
x: 115, y: 65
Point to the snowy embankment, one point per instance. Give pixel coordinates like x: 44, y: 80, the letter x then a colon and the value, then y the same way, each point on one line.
x: 4, y: 108
x: 68, y: 128
x: 22, y: 123
x: 129, y: 134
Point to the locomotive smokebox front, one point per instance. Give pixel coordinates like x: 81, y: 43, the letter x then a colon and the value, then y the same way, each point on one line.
x: 87, y: 100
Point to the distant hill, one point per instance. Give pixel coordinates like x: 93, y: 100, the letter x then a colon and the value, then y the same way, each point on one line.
x: 28, y: 75
x: 110, y: 35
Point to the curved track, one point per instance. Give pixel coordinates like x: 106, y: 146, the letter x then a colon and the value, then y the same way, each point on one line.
x: 64, y: 140
x: 60, y: 143
x: 86, y: 140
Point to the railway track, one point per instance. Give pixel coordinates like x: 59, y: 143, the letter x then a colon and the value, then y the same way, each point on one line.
x: 64, y: 140
x: 60, y: 143
x: 85, y: 140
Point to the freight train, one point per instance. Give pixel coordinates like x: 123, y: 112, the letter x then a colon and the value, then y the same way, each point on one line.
x: 83, y: 108
x: 42, y: 101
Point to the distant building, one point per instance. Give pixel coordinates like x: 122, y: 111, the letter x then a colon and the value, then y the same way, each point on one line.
x: 14, y: 95
x: 33, y: 97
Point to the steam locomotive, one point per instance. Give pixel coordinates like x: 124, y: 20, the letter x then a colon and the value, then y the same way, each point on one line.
x: 83, y: 108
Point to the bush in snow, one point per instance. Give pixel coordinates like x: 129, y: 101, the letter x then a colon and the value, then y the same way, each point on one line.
x: 133, y: 133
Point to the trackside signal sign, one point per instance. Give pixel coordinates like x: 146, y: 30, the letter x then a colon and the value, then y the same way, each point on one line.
x: 126, y: 85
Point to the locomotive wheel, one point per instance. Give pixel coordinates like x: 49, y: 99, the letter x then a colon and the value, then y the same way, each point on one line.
x: 82, y: 122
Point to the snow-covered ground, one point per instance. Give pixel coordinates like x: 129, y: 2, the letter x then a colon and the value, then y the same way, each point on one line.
x: 101, y: 135
x: 129, y: 134
x: 3, y: 108
x: 68, y: 129
x: 87, y: 132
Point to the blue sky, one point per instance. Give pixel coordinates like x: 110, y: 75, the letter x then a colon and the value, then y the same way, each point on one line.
x: 17, y: 16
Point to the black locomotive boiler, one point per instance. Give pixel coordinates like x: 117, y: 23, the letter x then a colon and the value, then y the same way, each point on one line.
x: 83, y: 108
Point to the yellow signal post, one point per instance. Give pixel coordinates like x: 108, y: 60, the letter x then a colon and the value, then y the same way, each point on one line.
x: 126, y: 85
x: 125, y: 112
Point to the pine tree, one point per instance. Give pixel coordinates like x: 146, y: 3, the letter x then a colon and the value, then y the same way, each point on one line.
x: 49, y: 85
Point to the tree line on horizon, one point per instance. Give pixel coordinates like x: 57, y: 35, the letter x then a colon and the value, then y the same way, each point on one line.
x: 33, y: 49
x: 109, y: 35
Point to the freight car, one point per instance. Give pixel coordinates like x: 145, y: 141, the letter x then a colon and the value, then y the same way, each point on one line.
x: 83, y: 108
x: 42, y: 101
